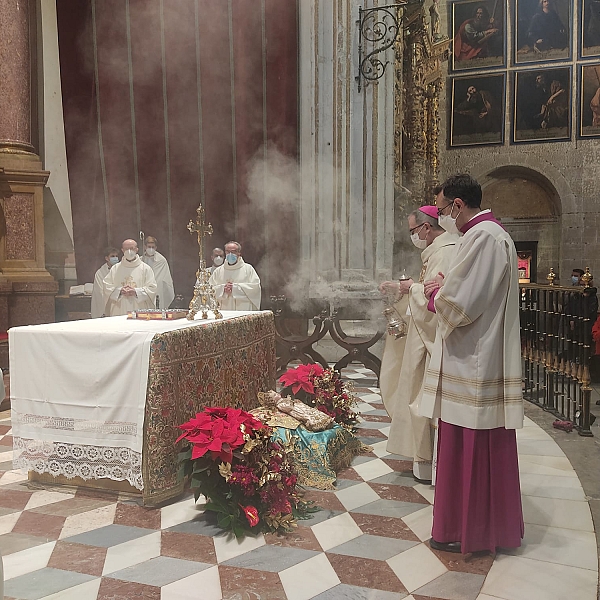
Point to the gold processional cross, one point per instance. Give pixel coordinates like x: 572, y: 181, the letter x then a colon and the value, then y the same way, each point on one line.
x: 204, y: 294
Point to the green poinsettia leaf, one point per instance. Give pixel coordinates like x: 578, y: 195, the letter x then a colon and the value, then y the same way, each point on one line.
x: 198, y: 468
x: 185, y: 455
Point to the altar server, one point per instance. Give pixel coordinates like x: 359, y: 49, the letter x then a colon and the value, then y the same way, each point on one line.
x: 129, y: 285
x: 402, y: 383
x: 473, y: 383
x: 162, y: 273
x: 111, y: 258
x: 236, y: 284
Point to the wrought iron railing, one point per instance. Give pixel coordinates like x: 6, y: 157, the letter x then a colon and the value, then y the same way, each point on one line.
x: 556, y: 343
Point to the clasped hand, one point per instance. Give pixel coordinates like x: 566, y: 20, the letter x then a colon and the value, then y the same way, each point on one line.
x: 228, y: 287
x: 127, y: 290
x: 434, y: 284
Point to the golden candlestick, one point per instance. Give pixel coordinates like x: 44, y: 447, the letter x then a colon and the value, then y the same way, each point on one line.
x: 551, y: 276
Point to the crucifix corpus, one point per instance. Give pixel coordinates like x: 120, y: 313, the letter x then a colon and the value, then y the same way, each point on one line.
x: 204, y: 294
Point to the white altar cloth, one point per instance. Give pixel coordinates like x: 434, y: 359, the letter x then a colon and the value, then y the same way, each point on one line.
x: 78, y: 392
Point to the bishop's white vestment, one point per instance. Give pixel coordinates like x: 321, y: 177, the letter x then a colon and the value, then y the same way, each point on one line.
x: 164, y: 282
x: 410, y: 433
x: 245, y: 294
x: 135, y: 274
x: 474, y: 376
x: 98, y: 300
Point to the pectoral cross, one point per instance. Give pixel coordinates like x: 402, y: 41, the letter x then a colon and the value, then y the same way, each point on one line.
x: 202, y: 229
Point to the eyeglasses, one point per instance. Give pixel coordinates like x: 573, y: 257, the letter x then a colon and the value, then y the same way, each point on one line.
x: 440, y: 211
x: 411, y: 231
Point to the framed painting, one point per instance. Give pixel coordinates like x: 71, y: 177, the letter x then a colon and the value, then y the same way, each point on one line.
x: 542, y: 105
x: 589, y: 101
x: 543, y: 30
x: 479, y: 34
x: 589, y: 22
x: 477, y: 108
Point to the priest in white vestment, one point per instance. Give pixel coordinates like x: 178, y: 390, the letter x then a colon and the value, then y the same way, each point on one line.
x: 164, y: 282
x: 129, y: 285
x: 473, y: 383
x: 111, y: 258
x: 236, y: 283
x: 401, y: 381
x: 217, y: 258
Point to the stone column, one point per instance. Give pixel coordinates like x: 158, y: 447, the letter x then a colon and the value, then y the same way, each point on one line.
x: 22, y: 178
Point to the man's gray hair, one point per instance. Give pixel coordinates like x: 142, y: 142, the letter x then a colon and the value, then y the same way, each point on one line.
x: 239, y: 246
x: 420, y: 218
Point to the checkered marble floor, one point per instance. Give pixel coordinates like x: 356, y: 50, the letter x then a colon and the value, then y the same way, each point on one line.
x: 367, y: 542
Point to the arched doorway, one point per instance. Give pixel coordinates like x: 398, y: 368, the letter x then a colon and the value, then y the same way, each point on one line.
x: 530, y: 210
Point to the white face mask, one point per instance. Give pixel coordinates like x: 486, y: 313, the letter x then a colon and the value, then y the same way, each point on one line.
x: 218, y: 261
x: 448, y: 222
x: 130, y: 254
x: 417, y: 241
x: 150, y: 251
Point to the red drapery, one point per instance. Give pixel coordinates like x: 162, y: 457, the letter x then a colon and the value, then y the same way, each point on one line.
x: 169, y: 103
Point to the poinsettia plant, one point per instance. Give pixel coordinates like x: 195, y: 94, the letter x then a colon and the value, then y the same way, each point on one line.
x: 248, y: 479
x: 323, y: 389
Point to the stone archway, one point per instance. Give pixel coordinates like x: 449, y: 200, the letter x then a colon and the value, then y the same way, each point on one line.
x: 530, y: 208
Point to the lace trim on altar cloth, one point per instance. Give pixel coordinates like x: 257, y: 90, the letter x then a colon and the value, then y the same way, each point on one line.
x: 69, y: 424
x: 75, y: 460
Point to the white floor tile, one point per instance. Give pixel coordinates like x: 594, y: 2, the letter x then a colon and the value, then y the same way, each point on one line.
x: 180, y: 512
x: 7, y: 522
x: 309, y: 578
x: 336, y: 531
x: 420, y: 522
x: 533, y: 433
x: 6, y: 456
x: 86, y: 521
x: 46, y: 497
x: 227, y: 546
x: 558, y: 466
x: 427, y: 491
x: 554, y: 512
x: 357, y: 495
x: 188, y: 588
x: 527, y: 422
x: 379, y: 448
x: 539, y: 448
x: 363, y: 407
x: 516, y: 578
x: 13, y: 477
x: 548, y: 486
x: 416, y: 566
x: 88, y: 590
x: 132, y: 553
x: 561, y: 546
x: 386, y: 430
x: 26, y: 561
x: 372, y: 469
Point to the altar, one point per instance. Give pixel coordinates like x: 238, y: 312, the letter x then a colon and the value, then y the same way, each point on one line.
x: 100, y: 400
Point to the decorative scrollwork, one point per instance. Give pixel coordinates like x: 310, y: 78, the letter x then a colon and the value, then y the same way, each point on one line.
x: 379, y: 28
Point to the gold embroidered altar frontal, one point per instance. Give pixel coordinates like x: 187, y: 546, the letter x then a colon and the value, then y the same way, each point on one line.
x: 217, y: 363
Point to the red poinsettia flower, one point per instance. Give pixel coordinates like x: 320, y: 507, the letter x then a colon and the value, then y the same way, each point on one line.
x: 302, y: 378
x: 217, y: 430
x: 251, y: 514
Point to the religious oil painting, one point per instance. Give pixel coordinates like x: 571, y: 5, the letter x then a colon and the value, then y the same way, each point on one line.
x: 589, y: 21
x: 542, y: 107
x: 477, y: 110
x: 589, y: 100
x: 479, y: 39
x: 543, y: 30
